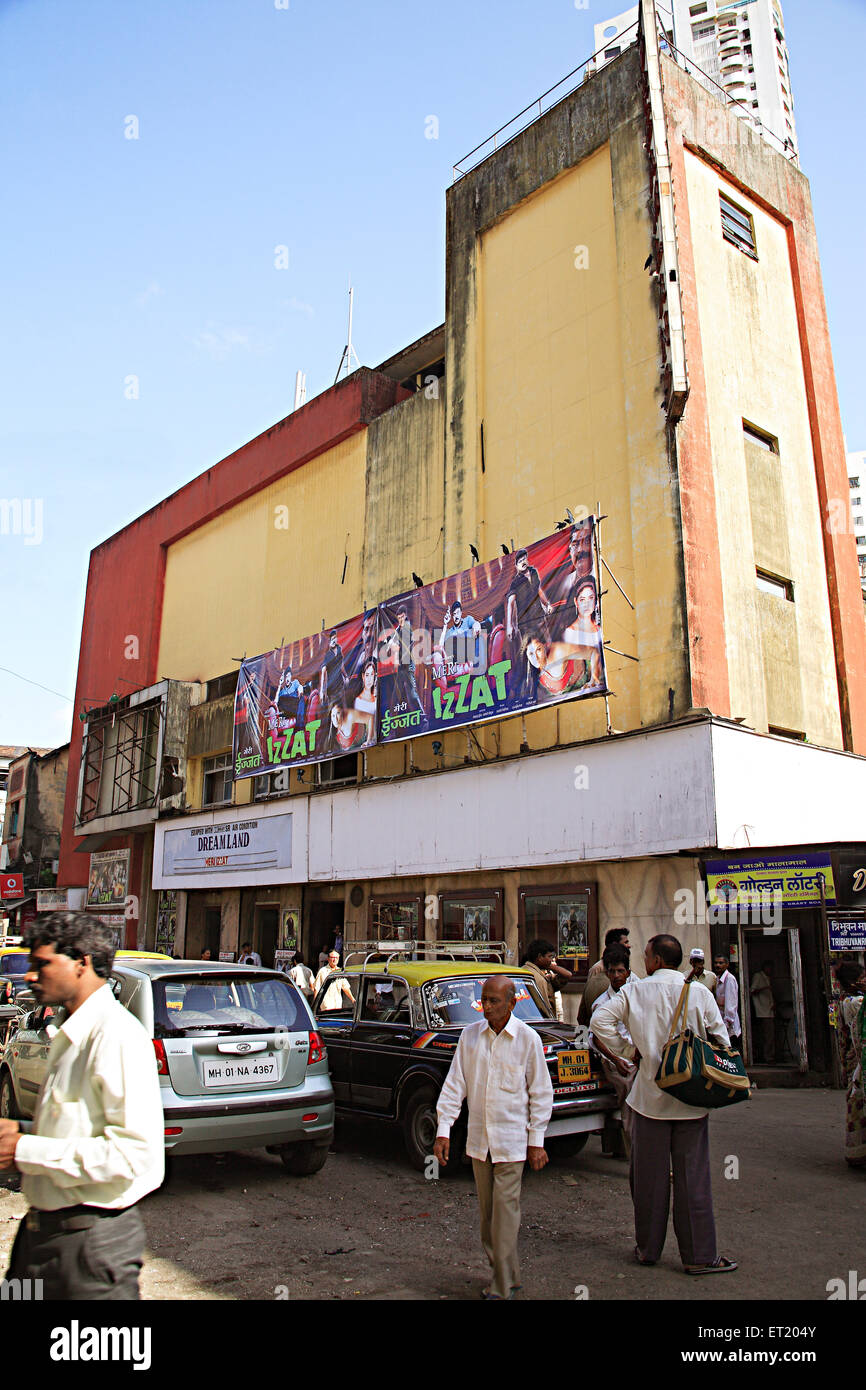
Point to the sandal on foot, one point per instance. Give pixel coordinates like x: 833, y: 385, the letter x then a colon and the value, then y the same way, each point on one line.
x: 719, y: 1266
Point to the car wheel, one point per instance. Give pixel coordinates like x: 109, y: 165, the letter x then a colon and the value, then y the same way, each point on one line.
x: 565, y: 1146
x: 303, y: 1159
x: 8, y: 1108
x: 420, y: 1123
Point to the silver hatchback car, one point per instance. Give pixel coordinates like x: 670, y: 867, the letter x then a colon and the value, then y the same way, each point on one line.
x: 241, y: 1063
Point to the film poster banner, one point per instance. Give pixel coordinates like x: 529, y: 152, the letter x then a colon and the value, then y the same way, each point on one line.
x: 512, y: 634
x: 795, y: 882
x: 308, y: 701
x: 476, y: 924
x: 109, y: 876
x: 573, y: 929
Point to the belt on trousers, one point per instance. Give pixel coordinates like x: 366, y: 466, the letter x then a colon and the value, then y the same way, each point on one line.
x: 79, y: 1218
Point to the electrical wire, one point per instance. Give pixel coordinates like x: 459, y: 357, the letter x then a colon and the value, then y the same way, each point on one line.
x: 19, y: 677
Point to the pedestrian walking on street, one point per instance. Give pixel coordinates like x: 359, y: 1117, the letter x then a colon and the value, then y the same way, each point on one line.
x: 499, y: 1069
x: 666, y: 1135
x: 96, y: 1146
x: 728, y: 1000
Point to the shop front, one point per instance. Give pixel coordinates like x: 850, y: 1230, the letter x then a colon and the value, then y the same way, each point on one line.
x: 769, y: 915
x: 224, y: 879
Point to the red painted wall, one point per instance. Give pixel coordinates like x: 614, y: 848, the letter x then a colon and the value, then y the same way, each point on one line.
x: 126, y: 575
x: 780, y: 188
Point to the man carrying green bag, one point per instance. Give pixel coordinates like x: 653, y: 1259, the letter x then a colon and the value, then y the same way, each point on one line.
x: 667, y: 1135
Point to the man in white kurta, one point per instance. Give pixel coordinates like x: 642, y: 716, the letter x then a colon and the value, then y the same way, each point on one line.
x: 499, y: 1069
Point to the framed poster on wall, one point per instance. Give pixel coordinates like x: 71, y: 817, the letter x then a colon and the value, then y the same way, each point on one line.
x: 566, y: 916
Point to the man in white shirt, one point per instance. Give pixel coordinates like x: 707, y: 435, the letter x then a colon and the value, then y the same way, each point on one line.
x: 96, y: 1146
x: 764, y: 1005
x: 499, y: 1069
x: 248, y: 956
x: 728, y: 1000
x: 666, y: 1135
x: 620, y: 1073
x: 333, y: 998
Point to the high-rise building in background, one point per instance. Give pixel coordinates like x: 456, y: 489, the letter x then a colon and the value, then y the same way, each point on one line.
x: 733, y: 46
x: 857, y: 484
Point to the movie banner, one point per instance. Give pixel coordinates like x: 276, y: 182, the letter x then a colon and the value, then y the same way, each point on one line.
x: 512, y: 634
x: 109, y: 878
x: 311, y: 700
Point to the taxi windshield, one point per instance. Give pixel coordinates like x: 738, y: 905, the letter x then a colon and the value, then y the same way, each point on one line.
x: 454, y: 1003
x: 15, y: 964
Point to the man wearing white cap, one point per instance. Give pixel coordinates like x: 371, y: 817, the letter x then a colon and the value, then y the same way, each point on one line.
x: 698, y: 973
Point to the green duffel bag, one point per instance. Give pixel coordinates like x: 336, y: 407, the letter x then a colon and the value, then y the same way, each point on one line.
x: 697, y: 1071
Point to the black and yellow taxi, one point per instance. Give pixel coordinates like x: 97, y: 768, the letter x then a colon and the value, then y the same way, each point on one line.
x: 391, y: 1026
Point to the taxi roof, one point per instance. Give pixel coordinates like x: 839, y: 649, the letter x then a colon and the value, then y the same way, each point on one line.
x: 417, y: 972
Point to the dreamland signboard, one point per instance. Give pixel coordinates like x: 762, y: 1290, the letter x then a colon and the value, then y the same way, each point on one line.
x: 513, y: 634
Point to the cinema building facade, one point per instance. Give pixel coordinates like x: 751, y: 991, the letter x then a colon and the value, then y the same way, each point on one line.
x: 690, y: 408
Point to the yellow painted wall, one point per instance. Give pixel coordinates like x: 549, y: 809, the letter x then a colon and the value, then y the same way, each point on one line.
x: 242, y: 582
x: 563, y: 365
x: 754, y: 372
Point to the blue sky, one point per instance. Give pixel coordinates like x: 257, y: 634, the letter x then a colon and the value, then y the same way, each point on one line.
x: 260, y: 127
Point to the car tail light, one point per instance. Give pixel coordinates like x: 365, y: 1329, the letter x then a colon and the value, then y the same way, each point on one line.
x: 161, y: 1059
x: 317, y: 1049
x: 178, y: 1129
x: 308, y: 1119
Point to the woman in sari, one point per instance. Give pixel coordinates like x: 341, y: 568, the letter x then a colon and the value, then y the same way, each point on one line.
x: 853, y: 1016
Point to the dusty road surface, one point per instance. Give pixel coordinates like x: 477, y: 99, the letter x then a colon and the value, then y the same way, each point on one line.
x: 370, y: 1227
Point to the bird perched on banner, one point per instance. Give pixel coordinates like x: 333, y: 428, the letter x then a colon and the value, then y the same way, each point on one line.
x: 474, y: 553
x: 561, y: 525
x: 648, y: 262
x: 569, y: 516
x: 417, y: 581
x: 504, y: 549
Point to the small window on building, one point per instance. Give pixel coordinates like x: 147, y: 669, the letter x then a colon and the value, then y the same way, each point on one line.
x: 223, y: 685
x: 338, y: 770
x: 738, y: 227
x: 860, y: 540
x: 697, y: 9
x: 761, y: 438
x: 855, y: 501
x: 854, y: 482
x: 612, y: 52
x: 773, y: 584
x: 796, y: 734
x: 271, y: 784
x: 217, y: 781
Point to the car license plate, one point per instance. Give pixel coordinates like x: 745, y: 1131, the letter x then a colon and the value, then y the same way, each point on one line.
x: 238, y: 1071
x: 573, y: 1066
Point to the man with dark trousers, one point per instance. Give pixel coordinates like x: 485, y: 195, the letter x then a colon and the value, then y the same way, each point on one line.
x: 96, y: 1146
x: 666, y: 1135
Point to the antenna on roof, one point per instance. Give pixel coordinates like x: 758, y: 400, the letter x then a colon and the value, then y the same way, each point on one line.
x: 348, y: 350
x: 300, y: 389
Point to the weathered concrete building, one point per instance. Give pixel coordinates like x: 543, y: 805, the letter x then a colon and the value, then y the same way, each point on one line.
x: 32, y: 820
x: 634, y: 323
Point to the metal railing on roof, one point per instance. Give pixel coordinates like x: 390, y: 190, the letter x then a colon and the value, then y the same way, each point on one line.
x: 499, y: 138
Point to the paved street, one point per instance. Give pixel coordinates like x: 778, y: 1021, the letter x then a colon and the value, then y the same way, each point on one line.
x: 369, y: 1227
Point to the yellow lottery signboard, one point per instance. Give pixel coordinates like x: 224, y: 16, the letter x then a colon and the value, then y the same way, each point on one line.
x: 794, y: 881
